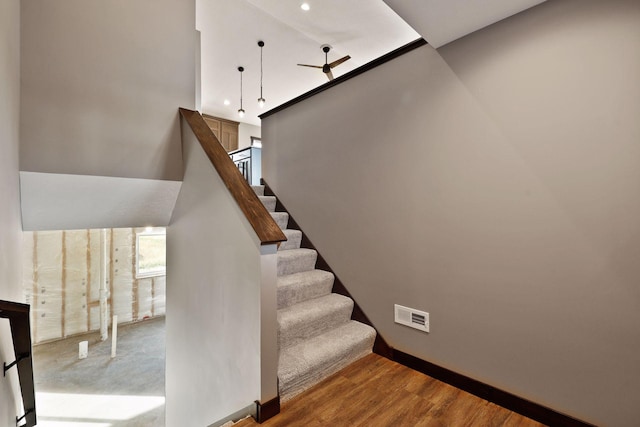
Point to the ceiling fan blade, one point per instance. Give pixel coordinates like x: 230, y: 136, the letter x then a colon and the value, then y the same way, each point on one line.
x: 329, y: 75
x: 339, y: 61
x: 312, y: 66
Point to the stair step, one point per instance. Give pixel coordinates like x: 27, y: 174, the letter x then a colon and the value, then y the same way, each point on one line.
x: 281, y: 218
x: 258, y: 189
x: 306, y: 285
x: 311, y: 318
x: 269, y: 202
x: 296, y: 260
x: 303, y: 365
x: 294, y: 238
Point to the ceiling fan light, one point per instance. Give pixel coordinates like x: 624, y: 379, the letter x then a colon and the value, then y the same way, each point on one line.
x: 261, y: 102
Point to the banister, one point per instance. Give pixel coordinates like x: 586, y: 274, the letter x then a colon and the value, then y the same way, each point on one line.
x: 18, y: 315
x: 261, y: 221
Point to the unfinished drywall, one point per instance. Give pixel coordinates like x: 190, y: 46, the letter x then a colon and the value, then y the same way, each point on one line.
x: 10, y: 225
x: 101, y: 86
x: 62, y: 273
x: 494, y: 185
x: 213, y: 299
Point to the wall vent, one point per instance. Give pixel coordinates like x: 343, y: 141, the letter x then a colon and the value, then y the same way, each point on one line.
x: 411, y: 317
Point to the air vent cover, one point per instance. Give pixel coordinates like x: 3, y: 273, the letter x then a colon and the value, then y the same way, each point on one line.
x: 411, y: 317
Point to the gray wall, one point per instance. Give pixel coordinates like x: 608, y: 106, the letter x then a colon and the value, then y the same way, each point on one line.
x: 10, y: 227
x: 213, y: 299
x: 101, y: 85
x: 494, y: 184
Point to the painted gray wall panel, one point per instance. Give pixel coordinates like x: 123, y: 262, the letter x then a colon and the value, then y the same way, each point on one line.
x: 101, y: 86
x: 494, y: 184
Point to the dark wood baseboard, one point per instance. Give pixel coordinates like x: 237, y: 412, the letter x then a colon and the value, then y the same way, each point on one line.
x: 505, y: 399
x: 380, y: 346
x: 267, y: 410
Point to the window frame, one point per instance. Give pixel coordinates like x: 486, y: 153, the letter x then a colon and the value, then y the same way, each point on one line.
x: 154, y: 273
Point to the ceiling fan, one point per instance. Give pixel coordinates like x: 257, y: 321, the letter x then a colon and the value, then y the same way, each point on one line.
x: 326, y: 68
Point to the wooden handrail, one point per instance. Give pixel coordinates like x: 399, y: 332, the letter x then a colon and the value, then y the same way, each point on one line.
x: 263, y: 224
x: 18, y: 315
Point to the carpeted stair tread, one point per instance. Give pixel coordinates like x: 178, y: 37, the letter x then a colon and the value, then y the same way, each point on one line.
x: 294, y: 237
x: 281, y: 218
x: 316, y: 337
x: 258, y: 189
x: 269, y: 202
x: 304, y: 365
x: 296, y: 260
x: 311, y: 318
x: 306, y: 285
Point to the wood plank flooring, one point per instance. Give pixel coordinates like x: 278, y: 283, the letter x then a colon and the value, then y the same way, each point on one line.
x: 378, y: 392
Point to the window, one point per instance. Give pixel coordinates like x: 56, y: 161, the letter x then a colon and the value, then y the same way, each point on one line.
x: 151, y: 253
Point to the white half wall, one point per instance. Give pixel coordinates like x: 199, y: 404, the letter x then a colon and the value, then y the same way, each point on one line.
x: 101, y: 86
x: 10, y: 226
x: 70, y: 202
x: 213, y: 366
x: 495, y: 184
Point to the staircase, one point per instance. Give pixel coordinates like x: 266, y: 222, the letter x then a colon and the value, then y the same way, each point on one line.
x: 316, y: 336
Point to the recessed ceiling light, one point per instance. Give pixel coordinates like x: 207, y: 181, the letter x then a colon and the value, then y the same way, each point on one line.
x: 227, y: 102
x: 305, y: 6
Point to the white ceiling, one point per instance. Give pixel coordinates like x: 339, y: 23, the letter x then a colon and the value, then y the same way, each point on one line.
x: 363, y: 29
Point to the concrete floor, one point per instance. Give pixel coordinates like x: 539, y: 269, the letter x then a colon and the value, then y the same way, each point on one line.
x: 100, y: 391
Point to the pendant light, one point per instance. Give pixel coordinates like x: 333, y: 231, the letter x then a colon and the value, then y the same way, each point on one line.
x: 261, y: 100
x: 241, y: 111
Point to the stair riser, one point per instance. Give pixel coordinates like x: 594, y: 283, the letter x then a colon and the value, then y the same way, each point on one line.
x: 298, y: 264
x: 301, y: 375
x: 269, y: 202
x: 258, y: 189
x: 294, y: 331
x: 281, y: 218
x: 293, y: 242
x: 290, y: 390
x: 291, y: 294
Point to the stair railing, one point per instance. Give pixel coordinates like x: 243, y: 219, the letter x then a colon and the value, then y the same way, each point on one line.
x: 18, y: 315
x: 268, y: 235
x: 263, y: 224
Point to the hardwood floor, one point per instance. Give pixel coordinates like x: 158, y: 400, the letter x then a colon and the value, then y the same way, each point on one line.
x: 378, y: 392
